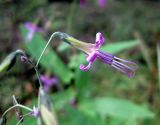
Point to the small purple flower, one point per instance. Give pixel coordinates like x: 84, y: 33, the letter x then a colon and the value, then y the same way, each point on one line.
x: 32, y: 28
x: 82, y: 3
x: 102, y: 3
x: 35, y: 112
x: 125, y: 66
x: 48, y: 82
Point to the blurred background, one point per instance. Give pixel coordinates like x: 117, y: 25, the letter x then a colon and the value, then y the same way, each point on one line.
x: 102, y: 95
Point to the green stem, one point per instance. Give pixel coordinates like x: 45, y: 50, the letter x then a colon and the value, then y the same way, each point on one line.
x: 52, y: 36
x: 17, y: 105
x: 158, y: 58
x: 70, y: 17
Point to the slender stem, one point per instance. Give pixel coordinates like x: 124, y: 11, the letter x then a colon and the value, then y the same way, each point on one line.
x: 38, y: 76
x: 17, y: 105
x: 52, y: 36
x: 158, y: 58
x: 22, y: 118
x: 70, y: 17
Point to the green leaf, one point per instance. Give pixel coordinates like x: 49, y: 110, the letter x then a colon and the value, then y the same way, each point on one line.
x: 50, y: 60
x: 61, y: 99
x: 76, y: 117
x: 48, y: 117
x: 118, y: 108
x: 119, y: 46
x: 10, y: 60
x: 83, y: 83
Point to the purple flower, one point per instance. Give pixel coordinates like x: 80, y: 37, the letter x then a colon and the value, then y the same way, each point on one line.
x: 93, y: 53
x: 102, y: 3
x: 35, y: 112
x: 32, y: 28
x: 48, y: 82
x: 82, y: 3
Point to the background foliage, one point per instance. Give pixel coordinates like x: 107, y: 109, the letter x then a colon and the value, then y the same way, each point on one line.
x: 101, y: 95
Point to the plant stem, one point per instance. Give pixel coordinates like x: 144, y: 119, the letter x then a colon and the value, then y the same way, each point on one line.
x: 17, y: 105
x: 52, y: 36
x: 158, y: 58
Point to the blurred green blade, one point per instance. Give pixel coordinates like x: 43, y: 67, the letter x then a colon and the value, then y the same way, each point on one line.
x: 10, y: 60
x: 61, y: 99
x: 3, y: 120
x: 47, y: 116
x: 118, y: 108
x: 50, y: 59
x: 119, y: 46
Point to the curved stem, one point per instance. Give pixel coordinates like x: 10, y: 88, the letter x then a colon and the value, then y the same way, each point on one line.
x: 52, y: 36
x: 17, y: 105
x: 22, y: 118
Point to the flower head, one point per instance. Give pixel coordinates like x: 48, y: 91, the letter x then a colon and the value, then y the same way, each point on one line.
x: 35, y: 112
x: 93, y: 53
x: 32, y: 28
x: 48, y: 82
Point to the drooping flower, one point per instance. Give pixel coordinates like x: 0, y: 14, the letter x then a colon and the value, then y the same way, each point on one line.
x: 32, y: 28
x: 48, y: 81
x: 94, y: 52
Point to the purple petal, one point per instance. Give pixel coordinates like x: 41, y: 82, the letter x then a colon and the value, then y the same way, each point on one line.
x: 102, y: 3
x: 48, y: 81
x: 99, y: 40
x: 30, y: 26
x: 90, y: 58
x: 105, y: 57
x: 35, y: 112
x: 85, y: 68
x: 82, y: 3
x: 125, y: 66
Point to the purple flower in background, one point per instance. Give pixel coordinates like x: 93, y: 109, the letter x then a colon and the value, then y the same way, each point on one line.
x: 82, y: 3
x: 48, y: 82
x: 93, y: 53
x: 102, y: 3
x: 32, y: 28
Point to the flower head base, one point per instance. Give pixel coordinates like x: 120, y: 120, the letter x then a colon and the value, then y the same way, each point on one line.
x: 32, y: 28
x: 35, y: 112
x: 125, y: 66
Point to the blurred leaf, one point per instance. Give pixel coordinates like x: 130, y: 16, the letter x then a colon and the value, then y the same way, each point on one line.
x: 75, y: 117
x: 10, y: 60
x: 119, y: 46
x: 47, y: 116
x: 27, y: 120
x: 44, y: 99
x: 82, y: 82
x: 118, y: 108
x: 62, y: 47
x: 61, y: 99
x: 3, y: 120
x: 50, y: 60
